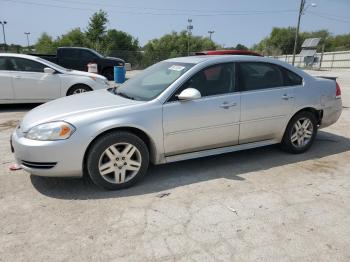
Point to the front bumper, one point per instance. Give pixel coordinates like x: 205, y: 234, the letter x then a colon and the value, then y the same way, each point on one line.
x: 63, y: 158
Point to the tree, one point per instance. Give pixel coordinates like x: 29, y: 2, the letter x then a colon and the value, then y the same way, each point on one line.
x: 281, y: 41
x: 338, y: 43
x: 122, y: 45
x: 174, y: 45
x: 97, y: 29
x: 119, y: 40
x: 240, y: 47
x: 75, y: 37
x: 45, y: 44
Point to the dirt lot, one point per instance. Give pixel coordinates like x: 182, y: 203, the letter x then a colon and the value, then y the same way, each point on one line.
x: 256, y: 205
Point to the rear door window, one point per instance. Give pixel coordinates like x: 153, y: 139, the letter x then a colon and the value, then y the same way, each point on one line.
x: 6, y: 64
x: 257, y: 75
x: 26, y: 65
x: 87, y: 55
x: 291, y: 78
x: 70, y: 53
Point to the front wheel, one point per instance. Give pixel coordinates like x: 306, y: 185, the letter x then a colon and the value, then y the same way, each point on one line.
x: 117, y: 160
x: 77, y: 89
x: 300, y: 133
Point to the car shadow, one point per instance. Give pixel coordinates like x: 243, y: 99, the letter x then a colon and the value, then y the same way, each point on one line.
x: 17, y: 107
x: 168, y: 176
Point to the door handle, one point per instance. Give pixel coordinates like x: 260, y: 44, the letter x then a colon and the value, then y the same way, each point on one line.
x: 227, y: 105
x: 17, y: 77
x: 287, y: 97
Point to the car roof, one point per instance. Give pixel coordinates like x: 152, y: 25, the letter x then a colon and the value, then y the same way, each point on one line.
x: 218, y: 58
x: 227, y: 52
x: 207, y: 60
x: 19, y: 55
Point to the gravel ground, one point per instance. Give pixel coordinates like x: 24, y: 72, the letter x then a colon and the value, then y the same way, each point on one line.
x: 255, y: 205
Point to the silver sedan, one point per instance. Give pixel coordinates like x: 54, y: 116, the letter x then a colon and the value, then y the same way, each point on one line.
x: 177, y: 109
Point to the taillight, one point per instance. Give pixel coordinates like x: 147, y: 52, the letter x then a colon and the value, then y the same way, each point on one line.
x: 337, y: 91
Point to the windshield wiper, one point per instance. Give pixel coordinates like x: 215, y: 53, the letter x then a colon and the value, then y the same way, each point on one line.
x: 124, y: 95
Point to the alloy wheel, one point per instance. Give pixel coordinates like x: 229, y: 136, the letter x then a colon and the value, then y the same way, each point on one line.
x: 302, y: 132
x: 119, y: 163
x: 79, y: 90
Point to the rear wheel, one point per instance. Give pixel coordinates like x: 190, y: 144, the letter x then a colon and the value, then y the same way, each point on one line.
x: 117, y: 160
x: 300, y: 133
x: 77, y: 89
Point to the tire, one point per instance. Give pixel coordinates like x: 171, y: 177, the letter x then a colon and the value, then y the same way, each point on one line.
x: 77, y: 89
x: 117, y: 160
x: 108, y: 73
x: 300, y: 133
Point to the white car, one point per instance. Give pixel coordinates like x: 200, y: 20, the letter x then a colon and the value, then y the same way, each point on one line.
x: 30, y: 79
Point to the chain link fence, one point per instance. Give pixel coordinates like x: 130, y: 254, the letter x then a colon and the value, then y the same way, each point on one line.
x: 326, y: 60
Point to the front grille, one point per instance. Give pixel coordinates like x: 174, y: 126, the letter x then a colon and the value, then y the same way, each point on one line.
x: 38, y: 165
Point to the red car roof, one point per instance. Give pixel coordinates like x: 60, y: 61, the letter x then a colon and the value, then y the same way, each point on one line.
x: 228, y: 52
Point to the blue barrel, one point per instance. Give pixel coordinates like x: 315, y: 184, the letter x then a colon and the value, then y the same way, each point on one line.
x: 119, y: 74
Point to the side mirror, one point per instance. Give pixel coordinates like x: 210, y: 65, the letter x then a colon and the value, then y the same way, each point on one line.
x: 49, y: 70
x: 189, y: 94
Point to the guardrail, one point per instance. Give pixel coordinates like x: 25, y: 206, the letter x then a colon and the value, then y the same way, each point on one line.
x: 326, y: 60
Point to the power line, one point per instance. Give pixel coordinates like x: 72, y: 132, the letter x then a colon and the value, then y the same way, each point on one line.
x: 239, y: 13
x: 330, y: 18
x: 333, y: 15
x: 171, y: 9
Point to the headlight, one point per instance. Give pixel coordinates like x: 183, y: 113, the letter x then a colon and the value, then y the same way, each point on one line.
x: 51, y: 131
x: 102, y: 81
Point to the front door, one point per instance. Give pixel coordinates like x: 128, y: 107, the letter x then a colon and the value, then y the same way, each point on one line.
x: 6, y: 71
x: 209, y: 122
x: 31, y: 83
x: 266, y: 102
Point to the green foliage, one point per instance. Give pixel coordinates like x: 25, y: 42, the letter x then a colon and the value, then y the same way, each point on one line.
x: 75, y: 37
x: 45, y: 44
x: 173, y: 45
x: 97, y: 29
x: 339, y: 43
x: 122, y: 45
x: 96, y: 37
x: 119, y: 40
x: 240, y: 47
x: 281, y: 41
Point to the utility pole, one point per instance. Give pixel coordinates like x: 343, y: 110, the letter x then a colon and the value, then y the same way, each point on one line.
x: 3, y: 23
x: 302, y: 9
x: 210, y: 33
x: 27, y: 34
x: 189, y: 33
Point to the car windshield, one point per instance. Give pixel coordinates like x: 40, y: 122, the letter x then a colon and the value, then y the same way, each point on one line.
x: 153, y: 80
x: 55, y: 66
x: 95, y: 52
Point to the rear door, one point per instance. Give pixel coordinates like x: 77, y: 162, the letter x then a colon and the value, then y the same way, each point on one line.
x: 6, y: 72
x: 266, y: 102
x: 31, y: 83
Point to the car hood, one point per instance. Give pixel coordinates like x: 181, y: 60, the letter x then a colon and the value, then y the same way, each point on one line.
x: 114, y: 58
x: 82, y: 73
x: 69, y: 107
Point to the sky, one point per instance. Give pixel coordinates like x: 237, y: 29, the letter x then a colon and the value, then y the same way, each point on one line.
x: 234, y: 21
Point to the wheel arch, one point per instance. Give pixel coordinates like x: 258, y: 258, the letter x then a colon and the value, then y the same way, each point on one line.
x: 318, y: 113
x: 134, y: 130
